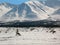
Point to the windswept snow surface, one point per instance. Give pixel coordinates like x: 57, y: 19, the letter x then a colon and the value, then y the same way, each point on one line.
x: 30, y: 36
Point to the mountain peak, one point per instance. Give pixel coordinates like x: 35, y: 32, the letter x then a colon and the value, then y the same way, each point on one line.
x: 32, y: 2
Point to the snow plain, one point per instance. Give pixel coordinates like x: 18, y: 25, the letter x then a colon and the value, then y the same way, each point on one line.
x: 30, y: 36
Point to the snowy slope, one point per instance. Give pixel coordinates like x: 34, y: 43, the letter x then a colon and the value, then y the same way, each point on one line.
x: 4, y: 8
x: 56, y: 5
x: 56, y: 15
x: 31, y: 11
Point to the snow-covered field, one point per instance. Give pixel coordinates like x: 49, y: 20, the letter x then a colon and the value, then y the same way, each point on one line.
x: 29, y: 36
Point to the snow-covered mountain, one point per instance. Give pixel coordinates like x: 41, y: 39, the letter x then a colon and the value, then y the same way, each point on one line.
x: 28, y: 11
